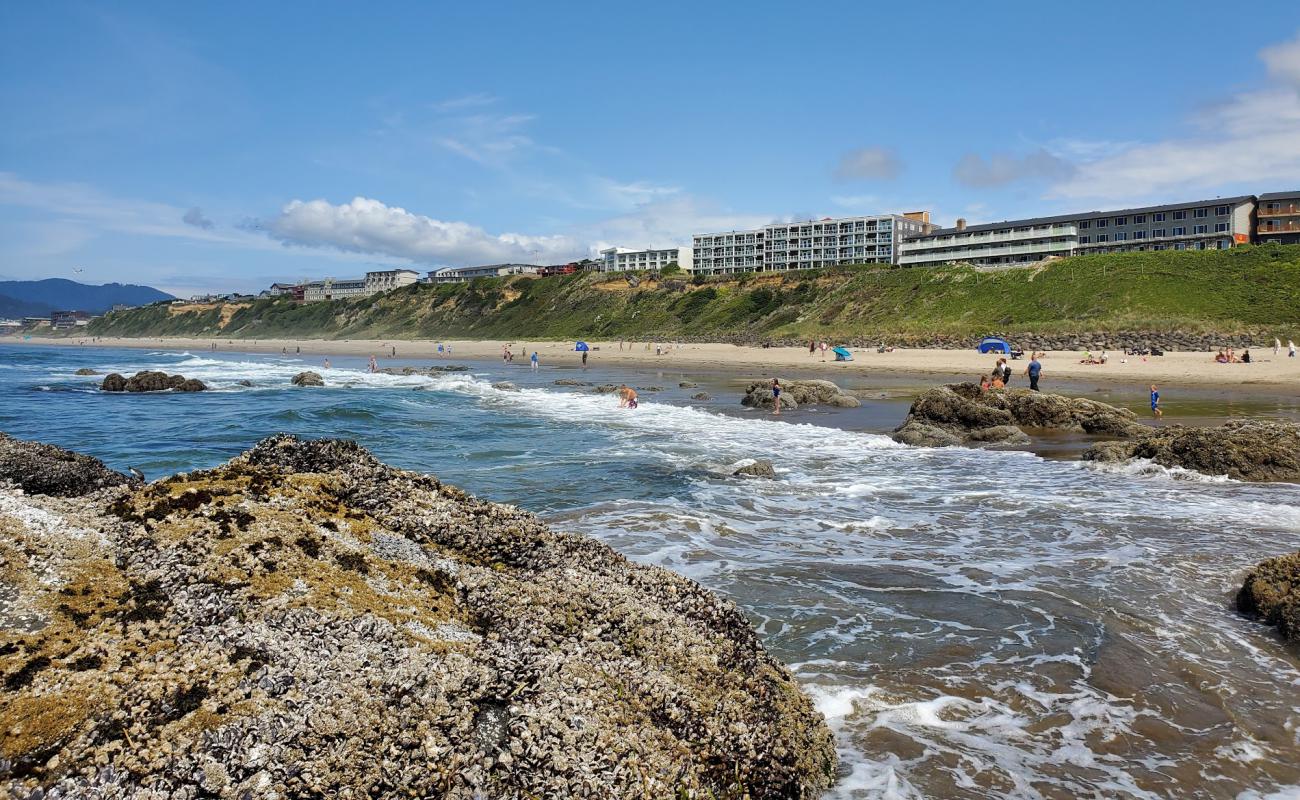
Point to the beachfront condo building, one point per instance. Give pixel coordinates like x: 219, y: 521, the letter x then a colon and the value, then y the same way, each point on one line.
x: 808, y: 245
x: 1278, y: 217
x: 621, y: 259
x: 1203, y: 225
x: 388, y: 279
x: 330, y: 289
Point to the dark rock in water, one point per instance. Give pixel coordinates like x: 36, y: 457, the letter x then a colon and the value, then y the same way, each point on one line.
x: 606, y: 388
x: 687, y: 385
x: 1247, y: 450
x: 310, y: 619
x: 649, y: 388
x: 798, y: 393
x: 963, y: 413
x: 307, y: 379
x: 244, y: 383
x: 505, y: 386
x: 701, y: 396
x: 38, y: 468
x: 571, y: 382
x: 1271, y: 592
x: 151, y: 381
x: 86, y: 371
x: 761, y: 468
x: 433, y: 370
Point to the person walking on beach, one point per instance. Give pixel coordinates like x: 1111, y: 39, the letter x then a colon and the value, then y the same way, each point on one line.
x: 534, y: 360
x: 812, y: 348
x: 584, y: 359
x: 374, y: 365
x: 1277, y: 346
x: 1033, y: 371
x: 1290, y: 349
x: 776, y: 396
x: 823, y: 348
x: 1155, y: 402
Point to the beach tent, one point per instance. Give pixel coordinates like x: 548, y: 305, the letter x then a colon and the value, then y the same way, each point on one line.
x: 581, y: 347
x: 992, y: 344
x: 842, y: 354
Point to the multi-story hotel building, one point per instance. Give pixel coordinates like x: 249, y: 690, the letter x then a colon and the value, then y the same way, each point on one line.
x: 808, y: 245
x: 1278, y: 217
x: 619, y: 259
x: 1202, y: 225
x: 389, y: 279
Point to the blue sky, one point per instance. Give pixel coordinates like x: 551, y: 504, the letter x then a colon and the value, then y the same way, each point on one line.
x: 199, y: 146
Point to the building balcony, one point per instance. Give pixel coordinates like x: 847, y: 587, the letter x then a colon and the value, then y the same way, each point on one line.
x: 1282, y: 210
x: 975, y: 239
x: 1278, y: 227
x: 979, y: 253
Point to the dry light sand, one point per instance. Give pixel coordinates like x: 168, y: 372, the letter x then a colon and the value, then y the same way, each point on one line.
x: 1173, y: 368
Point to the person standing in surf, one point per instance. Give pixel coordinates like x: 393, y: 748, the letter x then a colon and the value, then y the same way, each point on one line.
x: 1033, y: 371
x: 1155, y: 402
x: 533, y: 359
x: 776, y: 396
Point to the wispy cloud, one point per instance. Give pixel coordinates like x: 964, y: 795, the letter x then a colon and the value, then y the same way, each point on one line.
x: 868, y: 163
x: 475, y: 100
x: 195, y: 217
x: 1001, y: 169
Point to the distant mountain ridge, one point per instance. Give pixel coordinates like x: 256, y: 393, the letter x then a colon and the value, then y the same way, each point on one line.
x: 37, y: 298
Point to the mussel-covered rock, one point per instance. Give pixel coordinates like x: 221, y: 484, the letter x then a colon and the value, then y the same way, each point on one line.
x: 1271, y: 592
x: 798, y: 393
x: 38, y: 468
x: 759, y: 468
x: 151, y: 381
x: 305, y: 621
x: 1247, y: 450
x: 307, y: 379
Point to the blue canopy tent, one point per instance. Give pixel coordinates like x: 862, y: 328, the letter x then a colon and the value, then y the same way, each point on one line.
x: 992, y: 344
x: 842, y: 354
x: 581, y: 347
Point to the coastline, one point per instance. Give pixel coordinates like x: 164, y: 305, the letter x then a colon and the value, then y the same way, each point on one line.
x: 1178, y: 368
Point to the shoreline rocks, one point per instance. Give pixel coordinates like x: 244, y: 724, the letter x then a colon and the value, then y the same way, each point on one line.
x: 1246, y: 450
x: 760, y: 468
x: 85, y: 371
x: 307, y: 379
x: 305, y: 620
x: 960, y: 413
x: 38, y: 468
x: 1271, y: 593
x: 151, y: 381
x: 798, y: 393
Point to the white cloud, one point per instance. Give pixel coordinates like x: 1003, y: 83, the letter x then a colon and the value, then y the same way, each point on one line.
x: 365, y: 225
x: 869, y: 163
x: 633, y: 194
x: 665, y: 223
x: 1001, y: 169
x: 1283, y: 61
x: 493, y: 140
x: 474, y: 100
x: 1252, y: 138
x: 195, y: 217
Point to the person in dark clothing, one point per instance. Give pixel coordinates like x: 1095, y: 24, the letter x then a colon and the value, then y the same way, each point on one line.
x: 1033, y: 371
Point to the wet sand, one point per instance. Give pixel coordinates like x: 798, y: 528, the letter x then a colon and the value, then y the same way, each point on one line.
x: 1279, y: 373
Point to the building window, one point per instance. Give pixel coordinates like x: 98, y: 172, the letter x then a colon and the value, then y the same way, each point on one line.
x: 1180, y: 246
x: 1083, y: 240
x: 1139, y: 234
x: 1160, y: 217
x: 1139, y: 219
x: 1221, y: 211
x: 1158, y: 233
x: 1180, y: 215
x: 1201, y: 213
x: 1200, y: 229
x: 1101, y: 237
x: 1120, y: 236
x: 1121, y: 220
x: 1101, y: 223
x: 1084, y: 224
x: 1180, y: 231
x: 1220, y: 227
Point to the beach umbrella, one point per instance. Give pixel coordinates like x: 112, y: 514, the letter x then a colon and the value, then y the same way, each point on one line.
x: 581, y: 347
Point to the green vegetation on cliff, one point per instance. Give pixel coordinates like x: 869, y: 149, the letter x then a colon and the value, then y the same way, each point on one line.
x: 1245, y: 288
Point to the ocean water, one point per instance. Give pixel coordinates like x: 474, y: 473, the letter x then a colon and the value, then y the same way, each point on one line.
x: 974, y: 624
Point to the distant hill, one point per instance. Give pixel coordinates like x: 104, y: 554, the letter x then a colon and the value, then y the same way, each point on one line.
x: 31, y: 298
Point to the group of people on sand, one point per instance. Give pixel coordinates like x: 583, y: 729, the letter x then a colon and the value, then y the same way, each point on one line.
x: 1229, y: 356
x: 1089, y: 358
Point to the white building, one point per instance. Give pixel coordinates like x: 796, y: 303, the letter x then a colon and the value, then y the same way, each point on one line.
x: 621, y: 259
x: 389, y: 279
x: 808, y: 245
x: 464, y: 274
x: 330, y: 289
x: 1202, y: 225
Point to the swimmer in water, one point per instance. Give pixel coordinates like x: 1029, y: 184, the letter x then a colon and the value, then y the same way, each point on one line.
x: 626, y: 397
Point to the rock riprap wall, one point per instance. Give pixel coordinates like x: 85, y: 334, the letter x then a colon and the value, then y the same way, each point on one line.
x: 306, y: 621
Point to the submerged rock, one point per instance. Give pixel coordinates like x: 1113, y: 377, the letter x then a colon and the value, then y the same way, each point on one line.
x: 571, y: 382
x: 86, y: 371
x: 798, y: 393
x: 1247, y: 450
x: 760, y: 468
x: 961, y: 413
x: 244, y: 382
x: 38, y: 468
x: 307, y: 379
x: 151, y: 381
x: 309, y: 620
x: 433, y: 370
x: 1271, y: 592
x: 701, y: 396
x: 687, y: 385
x: 505, y: 386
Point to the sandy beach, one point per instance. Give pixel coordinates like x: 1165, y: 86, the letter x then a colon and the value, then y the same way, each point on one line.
x: 1182, y: 368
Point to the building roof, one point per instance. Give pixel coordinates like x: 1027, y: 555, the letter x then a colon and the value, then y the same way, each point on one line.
x: 1121, y: 212
x: 1279, y: 195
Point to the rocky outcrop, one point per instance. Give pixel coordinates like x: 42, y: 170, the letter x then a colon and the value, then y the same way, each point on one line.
x: 307, y: 379
x: 760, y: 468
x: 701, y: 396
x: 687, y: 385
x: 436, y: 369
x: 306, y: 621
x: 571, y: 382
x: 1247, y: 450
x: 961, y: 413
x: 38, y: 468
x: 1271, y: 592
x: 505, y: 386
x: 799, y: 393
x: 151, y: 381
x: 86, y: 371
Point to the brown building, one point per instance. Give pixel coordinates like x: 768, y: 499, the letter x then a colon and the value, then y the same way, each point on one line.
x: 1278, y: 217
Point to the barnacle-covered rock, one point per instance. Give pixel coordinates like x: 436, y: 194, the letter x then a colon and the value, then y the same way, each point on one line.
x: 306, y: 621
